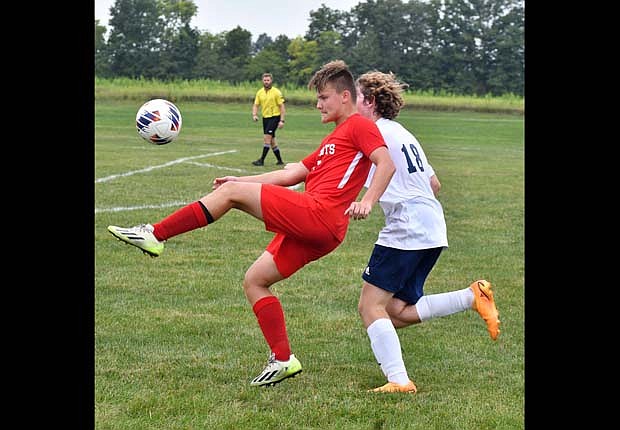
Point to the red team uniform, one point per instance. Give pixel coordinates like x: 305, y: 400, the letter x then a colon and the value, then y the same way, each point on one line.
x: 309, y: 225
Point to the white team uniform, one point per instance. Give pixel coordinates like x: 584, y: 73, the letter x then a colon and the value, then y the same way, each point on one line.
x: 414, y: 218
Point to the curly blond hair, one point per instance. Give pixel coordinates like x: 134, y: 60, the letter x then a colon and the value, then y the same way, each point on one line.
x: 385, y: 90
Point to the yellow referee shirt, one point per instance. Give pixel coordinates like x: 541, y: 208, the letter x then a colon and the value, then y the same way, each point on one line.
x: 269, y: 101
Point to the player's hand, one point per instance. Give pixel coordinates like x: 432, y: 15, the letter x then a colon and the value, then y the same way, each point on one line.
x: 219, y: 181
x: 358, y: 210
x: 255, y: 117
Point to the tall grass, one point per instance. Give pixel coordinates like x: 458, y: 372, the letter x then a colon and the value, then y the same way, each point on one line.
x: 218, y: 91
x: 176, y: 343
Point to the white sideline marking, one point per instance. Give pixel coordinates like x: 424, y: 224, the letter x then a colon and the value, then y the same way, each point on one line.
x: 170, y: 163
x: 170, y: 204
x: 135, y: 208
x: 217, y: 167
x: 163, y: 205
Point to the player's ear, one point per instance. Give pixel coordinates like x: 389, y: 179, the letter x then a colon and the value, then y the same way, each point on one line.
x: 346, y: 96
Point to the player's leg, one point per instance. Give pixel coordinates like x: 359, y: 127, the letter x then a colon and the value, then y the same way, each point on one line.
x: 268, y: 131
x: 300, y: 238
x: 384, y: 340
x: 282, y: 363
x: 150, y: 238
x: 266, y: 145
x: 276, y: 151
x: 410, y: 305
x: 273, y: 126
x: 419, y: 263
x: 377, y: 291
x: 431, y: 306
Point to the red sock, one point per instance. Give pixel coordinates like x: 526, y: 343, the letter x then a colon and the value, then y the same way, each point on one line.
x: 268, y: 311
x: 185, y: 219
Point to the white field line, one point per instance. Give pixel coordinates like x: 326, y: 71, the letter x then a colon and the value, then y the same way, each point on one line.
x: 217, y: 167
x: 169, y: 163
x: 160, y: 206
x: 169, y: 204
x: 135, y: 208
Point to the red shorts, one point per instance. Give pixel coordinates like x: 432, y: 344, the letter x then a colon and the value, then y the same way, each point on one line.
x: 300, y: 237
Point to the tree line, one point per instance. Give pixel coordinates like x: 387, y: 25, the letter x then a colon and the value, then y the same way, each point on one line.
x: 469, y: 47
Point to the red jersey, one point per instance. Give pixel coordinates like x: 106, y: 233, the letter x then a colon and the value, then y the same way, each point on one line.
x: 339, y: 168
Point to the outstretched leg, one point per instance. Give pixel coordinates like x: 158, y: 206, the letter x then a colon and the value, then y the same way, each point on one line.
x: 478, y: 296
x: 244, y: 196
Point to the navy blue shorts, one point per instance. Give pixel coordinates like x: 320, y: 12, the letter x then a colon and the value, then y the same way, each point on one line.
x: 402, y: 272
x: 270, y: 125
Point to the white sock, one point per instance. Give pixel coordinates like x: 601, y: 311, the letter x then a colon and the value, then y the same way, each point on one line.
x: 439, y: 305
x: 386, y: 347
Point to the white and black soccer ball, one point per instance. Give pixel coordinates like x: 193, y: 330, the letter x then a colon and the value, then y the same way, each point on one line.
x: 159, y: 121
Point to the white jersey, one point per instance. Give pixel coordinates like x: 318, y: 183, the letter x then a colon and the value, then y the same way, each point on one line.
x: 413, y: 216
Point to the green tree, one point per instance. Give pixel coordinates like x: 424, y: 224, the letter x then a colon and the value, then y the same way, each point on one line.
x: 304, y: 60
x: 418, y: 42
x: 136, y: 30
x: 235, y: 54
x: 152, y: 38
x: 179, y: 42
x: 505, y: 53
x: 280, y: 46
x: 273, y: 58
x: 329, y: 47
x: 267, y: 60
x: 208, y: 58
x: 479, y: 45
x: 326, y: 19
x: 101, y: 63
x: 380, y: 36
x: 261, y: 43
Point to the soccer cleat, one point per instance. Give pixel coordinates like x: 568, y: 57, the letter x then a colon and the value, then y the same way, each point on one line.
x: 393, y: 387
x: 258, y: 162
x: 141, y: 236
x: 277, y: 371
x: 484, y: 304
x: 280, y: 163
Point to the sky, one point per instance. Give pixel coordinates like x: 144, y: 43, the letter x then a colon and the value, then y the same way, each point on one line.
x: 275, y: 17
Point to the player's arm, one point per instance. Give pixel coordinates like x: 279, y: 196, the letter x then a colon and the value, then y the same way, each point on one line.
x: 435, y: 185
x: 255, y: 112
x: 292, y: 174
x: 384, y: 171
x: 282, y: 115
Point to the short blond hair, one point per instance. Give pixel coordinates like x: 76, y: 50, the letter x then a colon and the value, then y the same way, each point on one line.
x: 336, y: 73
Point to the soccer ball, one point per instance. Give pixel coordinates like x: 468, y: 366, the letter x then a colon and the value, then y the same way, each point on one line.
x: 158, y: 121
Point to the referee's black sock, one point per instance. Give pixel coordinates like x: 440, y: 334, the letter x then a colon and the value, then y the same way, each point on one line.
x: 265, y: 152
x: 276, y: 151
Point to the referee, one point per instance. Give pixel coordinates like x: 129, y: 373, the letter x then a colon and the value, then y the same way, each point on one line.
x: 271, y: 101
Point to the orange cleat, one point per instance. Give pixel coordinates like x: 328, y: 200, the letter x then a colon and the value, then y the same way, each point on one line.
x: 393, y: 387
x: 484, y: 304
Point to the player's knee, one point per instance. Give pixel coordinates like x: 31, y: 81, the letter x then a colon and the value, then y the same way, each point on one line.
x: 231, y: 191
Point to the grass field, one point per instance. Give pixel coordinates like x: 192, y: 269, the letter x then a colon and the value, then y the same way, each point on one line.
x: 176, y: 343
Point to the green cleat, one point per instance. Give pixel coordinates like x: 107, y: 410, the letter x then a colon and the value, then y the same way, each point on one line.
x: 140, y: 236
